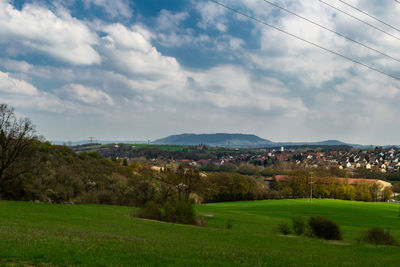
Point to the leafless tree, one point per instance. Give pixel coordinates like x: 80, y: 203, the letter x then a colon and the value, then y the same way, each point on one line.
x: 16, y: 137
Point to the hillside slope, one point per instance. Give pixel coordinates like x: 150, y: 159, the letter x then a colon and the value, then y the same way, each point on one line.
x: 236, y: 140
x: 218, y: 139
x: 93, y: 235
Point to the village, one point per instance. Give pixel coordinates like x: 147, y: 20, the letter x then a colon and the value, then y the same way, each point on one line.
x: 381, y: 159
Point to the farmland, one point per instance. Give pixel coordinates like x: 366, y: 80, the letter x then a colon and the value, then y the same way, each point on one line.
x: 38, y: 233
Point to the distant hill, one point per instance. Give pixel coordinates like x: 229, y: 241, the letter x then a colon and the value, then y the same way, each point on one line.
x: 218, y: 139
x: 237, y: 140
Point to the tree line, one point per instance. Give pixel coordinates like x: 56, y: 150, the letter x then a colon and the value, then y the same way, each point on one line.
x: 298, y: 186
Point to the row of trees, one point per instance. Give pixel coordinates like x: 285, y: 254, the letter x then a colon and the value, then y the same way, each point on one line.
x: 298, y: 186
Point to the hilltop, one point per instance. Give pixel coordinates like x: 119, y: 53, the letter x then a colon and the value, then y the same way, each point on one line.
x: 236, y: 140
x: 218, y: 139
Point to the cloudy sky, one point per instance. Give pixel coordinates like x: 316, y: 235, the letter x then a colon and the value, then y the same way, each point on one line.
x: 145, y: 69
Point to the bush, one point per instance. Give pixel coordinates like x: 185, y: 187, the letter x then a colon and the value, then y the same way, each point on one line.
x: 173, y: 211
x: 324, y: 228
x: 378, y: 236
x: 299, y: 225
x: 151, y: 210
x: 179, y: 212
x: 284, y: 228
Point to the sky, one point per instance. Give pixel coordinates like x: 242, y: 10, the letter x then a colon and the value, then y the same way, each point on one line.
x: 146, y: 69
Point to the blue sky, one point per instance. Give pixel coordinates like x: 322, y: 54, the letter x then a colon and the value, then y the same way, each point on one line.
x: 139, y: 70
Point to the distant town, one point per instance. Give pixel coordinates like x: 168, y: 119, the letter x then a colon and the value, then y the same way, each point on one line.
x: 369, y: 163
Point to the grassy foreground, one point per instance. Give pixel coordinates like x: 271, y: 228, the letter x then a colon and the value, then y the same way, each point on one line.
x: 45, y: 234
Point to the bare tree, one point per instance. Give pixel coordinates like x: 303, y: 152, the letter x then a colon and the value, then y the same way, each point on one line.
x: 16, y: 136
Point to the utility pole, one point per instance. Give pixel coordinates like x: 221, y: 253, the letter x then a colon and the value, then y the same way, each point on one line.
x: 311, y: 183
x: 91, y: 138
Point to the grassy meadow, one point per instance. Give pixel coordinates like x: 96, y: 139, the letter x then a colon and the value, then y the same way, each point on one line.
x: 47, y: 234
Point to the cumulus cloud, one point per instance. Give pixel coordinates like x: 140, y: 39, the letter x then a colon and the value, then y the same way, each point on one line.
x: 38, y: 28
x: 88, y: 95
x: 235, y: 88
x: 24, y: 95
x: 255, y: 77
x: 129, y: 52
x: 9, y: 85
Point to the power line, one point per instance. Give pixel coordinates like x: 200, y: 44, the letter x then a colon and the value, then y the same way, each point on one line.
x: 306, y: 41
x: 332, y: 31
x: 360, y: 20
x: 369, y: 15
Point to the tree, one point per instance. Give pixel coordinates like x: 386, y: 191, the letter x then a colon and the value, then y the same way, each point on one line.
x: 16, y: 139
x: 396, y: 188
x: 375, y: 190
x: 387, y: 193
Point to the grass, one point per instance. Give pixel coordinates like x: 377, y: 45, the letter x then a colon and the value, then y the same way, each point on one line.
x: 46, y: 234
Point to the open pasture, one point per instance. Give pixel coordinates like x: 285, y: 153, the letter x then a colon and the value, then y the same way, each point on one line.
x: 46, y: 234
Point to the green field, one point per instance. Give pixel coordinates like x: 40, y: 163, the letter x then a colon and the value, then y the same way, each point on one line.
x: 46, y: 234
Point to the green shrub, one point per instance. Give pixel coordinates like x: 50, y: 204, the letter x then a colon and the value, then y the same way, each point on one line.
x: 151, y: 210
x: 299, y: 225
x: 172, y: 211
x: 284, y: 228
x: 378, y: 236
x: 179, y: 211
x: 324, y: 228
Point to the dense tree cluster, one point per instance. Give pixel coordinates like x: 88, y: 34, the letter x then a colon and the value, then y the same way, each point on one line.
x: 298, y: 186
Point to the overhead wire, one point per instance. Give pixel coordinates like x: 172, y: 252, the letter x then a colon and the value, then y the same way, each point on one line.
x: 304, y: 40
x: 369, y: 15
x: 360, y: 20
x: 332, y: 31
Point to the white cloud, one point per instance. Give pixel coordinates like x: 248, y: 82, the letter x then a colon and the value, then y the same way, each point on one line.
x: 61, y: 36
x: 9, y: 85
x: 130, y: 53
x: 235, y: 88
x: 171, y: 31
x: 264, y: 82
x: 168, y: 20
x: 88, y: 95
x: 22, y: 94
x: 212, y: 15
x: 114, y: 8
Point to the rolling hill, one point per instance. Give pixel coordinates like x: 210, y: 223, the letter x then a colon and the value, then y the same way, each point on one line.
x: 43, y: 234
x: 218, y: 139
x: 236, y: 140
